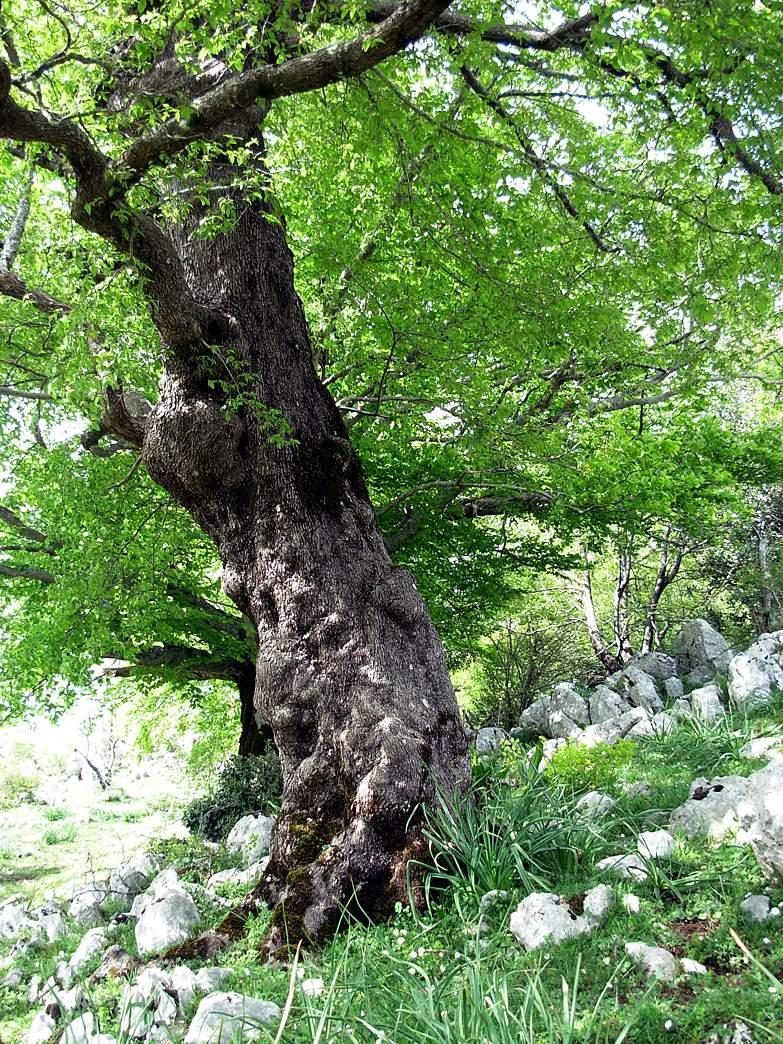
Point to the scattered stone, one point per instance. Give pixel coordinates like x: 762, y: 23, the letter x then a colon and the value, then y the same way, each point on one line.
x: 81, y: 1030
x: 132, y: 878
x: 115, y: 963
x: 54, y: 925
x: 631, y: 867
x: 605, y: 703
x: 251, y: 835
x: 761, y: 818
x: 13, y: 980
x: 706, y: 703
x: 761, y: 746
x: 312, y: 987
x: 183, y: 982
x: 756, y: 908
x: 712, y: 809
x: 594, y: 803
x: 166, y: 883
x: 543, y: 917
x: 673, y: 688
x: 699, y: 646
x: 656, y: 844
x: 13, y: 919
x: 642, y: 691
x: 86, y: 904
x: 210, y: 980
x: 642, y: 789
x: 663, y: 723
x: 654, y: 961
x: 657, y: 664
x: 224, y: 1016
x: 642, y: 729
x: 93, y: 943
x: 42, y: 1028
x: 753, y: 674
x: 691, y: 967
x: 167, y: 922
x: 488, y: 740
x: 69, y: 1001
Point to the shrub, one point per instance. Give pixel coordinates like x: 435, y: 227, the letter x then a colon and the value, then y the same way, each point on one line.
x: 581, y: 768
x: 243, y: 786
x: 61, y: 836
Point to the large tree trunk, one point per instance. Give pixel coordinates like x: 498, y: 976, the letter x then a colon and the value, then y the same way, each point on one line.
x: 350, y: 673
x: 254, y: 733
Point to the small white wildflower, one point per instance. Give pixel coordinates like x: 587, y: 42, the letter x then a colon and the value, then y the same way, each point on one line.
x: 668, y: 1025
x: 607, y: 960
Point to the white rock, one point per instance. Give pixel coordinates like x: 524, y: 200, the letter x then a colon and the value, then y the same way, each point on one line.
x: 706, y: 703
x: 761, y: 818
x: 166, y: 883
x: 712, y: 809
x: 754, y: 673
x: 632, y: 903
x: 641, y: 789
x: 92, y: 944
x: 699, y: 646
x: 132, y: 878
x: 605, y: 703
x: 594, y: 803
x: 663, y: 723
x: 657, y: 664
x: 81, y: 1030
x: 756, y: 908
x: 642, y: 691
x: 673, y: 688
x: 14, y: 920
x: 183, y: 980
x: 238, y: 877
x: 655, y: 962
x: 488, y: 740
x: 761, y: 746
x: 69, y: 1001
x: 542, y: 918
x: 42, y: 1028
x: 691, y: 967
x: 312, y: 987
x: 613, y: 729
x: 165, y: 923
x: 642, y: 729
x: 222, y: 1016
x: 55, y: 926
x: 655, y: 844
x: 251, y: 835
x: 86, y: 904
x: 210, y: 980
x: 631, y: 867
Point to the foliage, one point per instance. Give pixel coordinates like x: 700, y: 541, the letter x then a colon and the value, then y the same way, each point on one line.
x: 578, y: 768
x: 243, y: 786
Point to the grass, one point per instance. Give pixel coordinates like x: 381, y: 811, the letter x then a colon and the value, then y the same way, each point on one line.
x: 451, y: 973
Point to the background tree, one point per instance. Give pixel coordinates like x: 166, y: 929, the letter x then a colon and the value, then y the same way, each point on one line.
x: 550, y: 226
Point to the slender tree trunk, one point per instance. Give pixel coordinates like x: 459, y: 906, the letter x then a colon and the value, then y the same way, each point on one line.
x: 622, y: 630
x: 350, y: 672
x: 600, y: 646
x: 668, y: 570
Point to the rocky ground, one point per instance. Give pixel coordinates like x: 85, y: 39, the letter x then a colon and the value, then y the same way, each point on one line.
x: 620, y: 878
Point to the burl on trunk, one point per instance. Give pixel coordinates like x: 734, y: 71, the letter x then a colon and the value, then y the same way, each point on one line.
x: 350, y: 673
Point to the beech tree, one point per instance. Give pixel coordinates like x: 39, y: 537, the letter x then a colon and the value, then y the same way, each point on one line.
x: 507, y: 233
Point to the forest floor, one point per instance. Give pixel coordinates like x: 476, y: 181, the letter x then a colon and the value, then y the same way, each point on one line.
x: 454, y: 973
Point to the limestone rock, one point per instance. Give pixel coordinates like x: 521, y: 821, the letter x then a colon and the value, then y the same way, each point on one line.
x: 165, y: 923
x: 754, y: 673
x: 706, y: 702
x: 93, y: 943
x: 543, y: 918
x: 699, y: 646
x: 656, y: 844
x: 238, y: 877
x: 226, y: 1016
x: 761, y: 746
x: 42, y: 1028
x: 713, y: 809
x: 673, y: 688
x: 594, y: 803
x: 605, y: 703
x: 654, y: 961
x: 756, y: 908
x: 210, y: 980
x: 657, y: 664
x: 631, y: 867
x: 251, y: 835
x: 488, y: 740
x: 691, y: 967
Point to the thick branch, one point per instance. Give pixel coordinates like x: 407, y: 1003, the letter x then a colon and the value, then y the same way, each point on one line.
x: 26, y: 573
x: 405, y: 24
x: 10, y: 518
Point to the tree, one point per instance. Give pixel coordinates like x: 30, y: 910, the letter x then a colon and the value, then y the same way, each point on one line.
x: 623, y: 246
